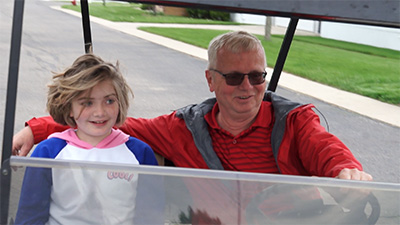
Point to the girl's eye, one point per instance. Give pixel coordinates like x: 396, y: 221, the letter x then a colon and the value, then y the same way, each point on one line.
x: 86, y: 104
x: 110, y: 101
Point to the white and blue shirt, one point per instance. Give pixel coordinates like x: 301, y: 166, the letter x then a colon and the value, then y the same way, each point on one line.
x: 83, y: 196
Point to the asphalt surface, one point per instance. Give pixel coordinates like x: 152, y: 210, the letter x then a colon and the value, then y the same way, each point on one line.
x: 163, y: 79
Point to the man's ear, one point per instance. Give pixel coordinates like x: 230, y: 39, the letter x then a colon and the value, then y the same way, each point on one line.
x: 210, y: 80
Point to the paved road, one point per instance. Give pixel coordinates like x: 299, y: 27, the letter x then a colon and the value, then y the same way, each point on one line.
x: 162, y: 80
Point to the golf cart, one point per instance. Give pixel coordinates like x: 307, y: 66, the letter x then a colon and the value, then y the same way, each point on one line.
x: 341, y: 202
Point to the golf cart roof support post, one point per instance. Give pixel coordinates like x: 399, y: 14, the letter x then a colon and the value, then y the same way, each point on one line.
x: 87, y: 35
x: 280, y: 61
x: 12, y: 84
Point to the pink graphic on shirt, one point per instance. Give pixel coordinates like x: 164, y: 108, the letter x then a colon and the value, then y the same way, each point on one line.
x: 119, y: 175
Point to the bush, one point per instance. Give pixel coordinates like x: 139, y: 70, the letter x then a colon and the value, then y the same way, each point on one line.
x: 218, y: 15
x: 146, y: 7
x: 208, y: 14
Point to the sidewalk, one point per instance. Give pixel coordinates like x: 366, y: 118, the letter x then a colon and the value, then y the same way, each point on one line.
x: 254, y: 29
x: 363, y: 105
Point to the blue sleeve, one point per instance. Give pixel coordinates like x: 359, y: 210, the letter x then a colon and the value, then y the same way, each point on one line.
x: 142, y: 151
x: 34, y: 202
x: 49, y: 148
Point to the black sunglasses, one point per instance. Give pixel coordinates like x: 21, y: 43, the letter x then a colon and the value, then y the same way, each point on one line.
x: 236, y: 78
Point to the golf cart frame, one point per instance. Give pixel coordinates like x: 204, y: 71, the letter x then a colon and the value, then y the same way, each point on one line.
x: 364, y: 12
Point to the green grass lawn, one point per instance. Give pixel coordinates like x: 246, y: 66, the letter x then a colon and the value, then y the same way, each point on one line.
x: 369, y: 71
x: 361, y: 69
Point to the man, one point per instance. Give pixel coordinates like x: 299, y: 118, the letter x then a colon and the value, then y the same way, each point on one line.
x: 243, y: 129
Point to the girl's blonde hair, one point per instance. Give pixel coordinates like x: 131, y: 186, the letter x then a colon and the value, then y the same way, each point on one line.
x: 86, y: 72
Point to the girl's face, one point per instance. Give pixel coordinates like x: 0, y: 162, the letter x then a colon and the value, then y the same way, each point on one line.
x: 96, y: 114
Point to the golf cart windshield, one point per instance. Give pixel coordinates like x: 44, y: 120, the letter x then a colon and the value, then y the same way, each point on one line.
x: 168, y: 195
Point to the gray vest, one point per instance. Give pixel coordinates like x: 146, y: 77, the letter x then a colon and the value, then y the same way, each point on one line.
x: 193, y: 116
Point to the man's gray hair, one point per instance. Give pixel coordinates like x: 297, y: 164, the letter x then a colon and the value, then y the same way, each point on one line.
x: 235, y: 42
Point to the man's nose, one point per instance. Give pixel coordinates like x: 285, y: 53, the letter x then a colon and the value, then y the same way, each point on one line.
x: 245, y: 82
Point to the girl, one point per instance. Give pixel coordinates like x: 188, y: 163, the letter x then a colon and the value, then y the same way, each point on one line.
x: 92, y: 96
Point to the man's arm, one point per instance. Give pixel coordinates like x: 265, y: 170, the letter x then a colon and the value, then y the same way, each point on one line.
x: 160, y: 133
x: 23, y: 142
x: 322, y: 153
x: 155, y: 132
x: 36, y: 130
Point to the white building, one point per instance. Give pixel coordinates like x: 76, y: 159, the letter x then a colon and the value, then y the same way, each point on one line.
x: 369, y: 35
